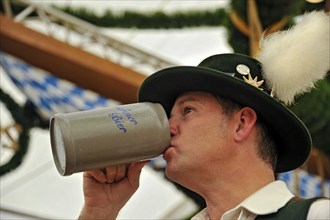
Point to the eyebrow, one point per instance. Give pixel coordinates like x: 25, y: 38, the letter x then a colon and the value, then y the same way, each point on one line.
x: 186, y: 99
x: 183, y: 100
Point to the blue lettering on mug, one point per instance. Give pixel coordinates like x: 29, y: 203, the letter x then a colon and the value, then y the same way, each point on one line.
x: 127, y: 114
x: 119, y: 120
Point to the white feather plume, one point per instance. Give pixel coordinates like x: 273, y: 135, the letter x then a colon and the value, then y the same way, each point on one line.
x: 295, y: 59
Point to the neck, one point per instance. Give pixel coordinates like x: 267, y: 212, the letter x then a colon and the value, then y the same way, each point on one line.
x: 224, y: 190
x: 231, y: 192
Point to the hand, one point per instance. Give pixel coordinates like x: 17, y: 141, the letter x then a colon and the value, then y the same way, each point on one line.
x: 106, y: 191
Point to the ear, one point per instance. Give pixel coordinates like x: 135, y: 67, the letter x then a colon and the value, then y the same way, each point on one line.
x: 245, y: 120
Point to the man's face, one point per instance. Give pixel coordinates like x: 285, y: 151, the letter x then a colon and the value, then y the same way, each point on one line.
x: 200, y: 133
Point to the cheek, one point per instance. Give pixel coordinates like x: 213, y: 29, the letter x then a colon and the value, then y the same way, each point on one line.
x: 206, y: 135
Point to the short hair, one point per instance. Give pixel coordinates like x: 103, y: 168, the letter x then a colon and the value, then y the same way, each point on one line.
x: 266, y: 148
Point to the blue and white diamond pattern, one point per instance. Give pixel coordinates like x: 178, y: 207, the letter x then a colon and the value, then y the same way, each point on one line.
x: 49, y: 94
x: 309, y: 185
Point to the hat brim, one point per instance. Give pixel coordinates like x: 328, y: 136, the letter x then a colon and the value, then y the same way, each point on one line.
x: 291, y: 136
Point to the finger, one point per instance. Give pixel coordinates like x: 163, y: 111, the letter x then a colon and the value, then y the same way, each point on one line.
x: 111, y: 173
x: 134, y: 172
x: 121, y: 172
x: 97, y: 175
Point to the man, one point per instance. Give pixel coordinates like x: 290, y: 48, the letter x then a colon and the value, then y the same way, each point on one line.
x: 230, y: 135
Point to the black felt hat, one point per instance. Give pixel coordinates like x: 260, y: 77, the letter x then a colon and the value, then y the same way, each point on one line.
x: 239, y: 78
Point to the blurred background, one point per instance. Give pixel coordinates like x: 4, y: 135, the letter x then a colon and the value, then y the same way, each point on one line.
x: 72, y: 55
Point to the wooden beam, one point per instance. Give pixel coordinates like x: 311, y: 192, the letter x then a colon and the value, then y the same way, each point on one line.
x: 64, y: 61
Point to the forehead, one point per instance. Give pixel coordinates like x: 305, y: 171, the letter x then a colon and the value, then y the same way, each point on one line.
x: 202, y: 100
x: 193, y: 97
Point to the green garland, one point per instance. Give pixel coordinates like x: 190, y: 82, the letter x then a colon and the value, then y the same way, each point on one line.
x: 17, y: 114
x: 269, y: 11
x: 314, y: 110
x: 151, y: 20
x: 27, y: 118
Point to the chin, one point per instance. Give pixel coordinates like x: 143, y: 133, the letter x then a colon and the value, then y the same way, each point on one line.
x: 169, y: 171
x: 174, y: 173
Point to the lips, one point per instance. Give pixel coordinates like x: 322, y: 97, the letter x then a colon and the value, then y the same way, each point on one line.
x: 167, y: 149
x: 167, y: 152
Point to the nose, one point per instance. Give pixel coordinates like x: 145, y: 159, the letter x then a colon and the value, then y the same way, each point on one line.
x: 173, y: 126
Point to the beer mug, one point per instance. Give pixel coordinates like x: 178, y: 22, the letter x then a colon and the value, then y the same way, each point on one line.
x: 95, y: 139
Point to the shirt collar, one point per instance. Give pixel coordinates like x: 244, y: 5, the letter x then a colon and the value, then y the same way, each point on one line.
x: 267, y: 200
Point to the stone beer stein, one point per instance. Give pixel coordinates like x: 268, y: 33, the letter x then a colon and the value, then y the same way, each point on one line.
x: 95, y: 139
